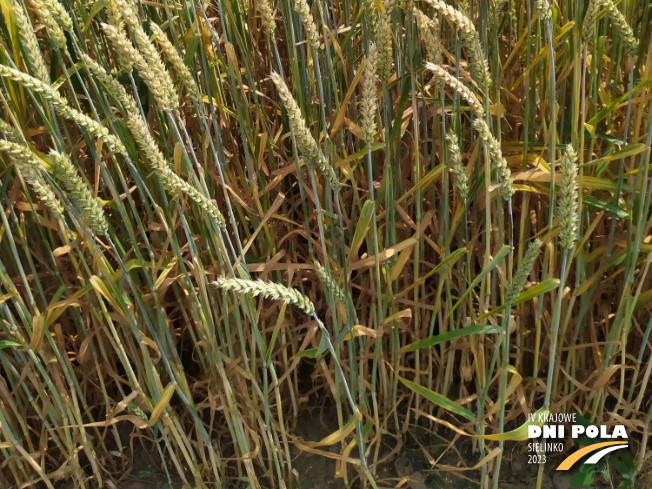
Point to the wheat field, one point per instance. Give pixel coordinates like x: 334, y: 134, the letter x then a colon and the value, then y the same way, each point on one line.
x: 221, y: 221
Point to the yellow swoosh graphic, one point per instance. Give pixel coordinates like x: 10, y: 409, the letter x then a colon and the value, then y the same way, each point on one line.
x: 574, y: 457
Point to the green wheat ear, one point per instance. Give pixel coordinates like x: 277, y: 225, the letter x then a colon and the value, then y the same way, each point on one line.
x: 514, y: 288
x: 80, y: 195
x: 329, y: 283
x: 568, y: 197
x: 268, y: 290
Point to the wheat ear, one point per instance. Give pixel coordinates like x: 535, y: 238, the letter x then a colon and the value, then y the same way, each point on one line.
x: 312, y: 34
x: 30, y: 43
x: 515, y: 287
x: 268, y: 290
x: 329, y: 283
x: 63, y: 109
x: 500, y: 163
x: 114, y: 87
x: 621, y: 26
x: 459, y: 173
x: 312, y: 154
x: 459, y: 87
x: 29, y: 166
x: 568, y: 196
x: 80, y: 195
x: 369, y: 99
x: 384, y: 41
x: 266, y: 12
x: 172, y: 56
x: 170, y: 180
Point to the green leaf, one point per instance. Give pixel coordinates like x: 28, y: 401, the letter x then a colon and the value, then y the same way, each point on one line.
x: 502, y: 253
x: 438, y: 399
x: 8, y: 344
x: 450, y: 335
x: 605, y: 206
x: 361, y: 228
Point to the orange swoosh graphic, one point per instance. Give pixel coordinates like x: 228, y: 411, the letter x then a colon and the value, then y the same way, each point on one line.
x: 574, y: 457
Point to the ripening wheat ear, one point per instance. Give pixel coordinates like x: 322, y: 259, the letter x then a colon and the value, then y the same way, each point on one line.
x: 63, y: 109
x: 459, y: 87
x: 114, y: 87
x: 29, y: 166
x: 384, y: 41
x: 30, y: 43
x: 11, y: 133
x: 544, y: 9
x: 266, y: 12
x: 268, y: 290
x: 170, y: 180
x: 369, y: 100
x: 312, y: 154
x: 459, y: 173
x: 429, y: 29
x: 590, y: 20
x: 568, y: 196
x: 172, y: 56
x: 312, y: 34
x: 147, y: 62
x: 471, y: 39
x: 49, y: 12
x: 80, y: 195
x: 515, y: 287
x: 500, y: 163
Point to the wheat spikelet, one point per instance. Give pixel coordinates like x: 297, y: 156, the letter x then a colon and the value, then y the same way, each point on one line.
x: 500, y: 163
x: 172, y: 56
x: 312, y: 34
x: 171, y: 181
x: 621, y: 26
x: 568, y: 195
x: 459, y: 87
x: 30, y: 43
x: 459, y: 173
x: 471, y: 40
x: 369, y: 100
x: 113, y: 86
x: 266, y: 12
x: 384, y: 42
x: 268, y: 290
x: 29, y: 166
x: 515, y: 287
x: 312, y: 154
x: 80, y: 195
x: 157, y: 80
x: 329, y: 283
